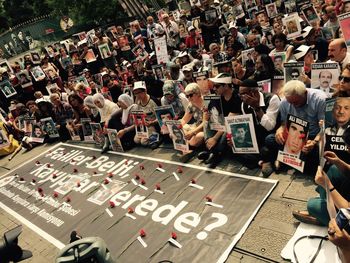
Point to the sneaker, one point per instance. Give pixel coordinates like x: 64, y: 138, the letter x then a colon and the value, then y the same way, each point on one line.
x: 186, y: 157
x: 266, y: 169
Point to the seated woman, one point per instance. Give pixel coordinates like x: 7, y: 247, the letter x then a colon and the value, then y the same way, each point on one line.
x: 89, y: 102
x: 193, y: 132
x: 79, y: 111
x: 123, y: 122
x: 106, y: 108
x: 338, y: 185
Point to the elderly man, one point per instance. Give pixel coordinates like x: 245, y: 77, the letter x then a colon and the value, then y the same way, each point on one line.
x: 337, y: 51
x: 307, y: 104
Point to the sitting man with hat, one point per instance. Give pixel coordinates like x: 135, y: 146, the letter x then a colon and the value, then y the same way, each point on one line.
x: 215, y: 142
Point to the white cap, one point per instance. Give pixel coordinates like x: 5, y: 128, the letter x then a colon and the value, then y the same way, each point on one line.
x: 301, y: 51
x: 216, y: 2
x: 190, y: 28
x: 222, y: 78
x: 232, y: 25
x: 187, y: 68
x: 2, y: 71
x: 182, y: 54
x: 139, y: 85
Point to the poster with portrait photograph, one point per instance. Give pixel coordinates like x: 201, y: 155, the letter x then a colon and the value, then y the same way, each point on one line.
x: 38, y: 135
x: 247, y: 58
x: 292, y: 25
x: 139, y: 41
x: 216, y: 115
x: 123, y: 43
x: 185, y: 6
x: 293, y: 71
x: 141, y: 129
x: 337, y: 120
x: 106, y: 192
x: 252, y: 12
x: 26, y: 123
x: 51, y: 73
x: 51, y: 88
x: 35, y: 57
x: 271, y: 10
x: 6, y: 65
x: 49, y: 127
x: 325, y: 77
x: 37, y: 73
x: 265, y: 85
x: 4, y: 140
x: 81, y: 79
x: 278, y: 59
x: 196, y: 24
x: 183, y: 30
x: 87, y: 131
x: 229, y: 17
x: 238, y: 11
x: 114, y: 140
x: 249, y: 4
x: 344, y: 21
x: 296, y: 135
x: 7, y: 89
x: 262, y: 18
x: 51, y: 51
x: 158, y: 72
x: 290, y: 6
x: 66, y: 62
x: 97, y: 134
x: 241, y: 131
x: 160, y: 46
x: 104, y: 51
x: 178, y: 136
x: 210, y: 15
x: 140, y: 53
x: 24, y: 79
x: 74, y: 133
x: 163, y: 114
x: 90, y: 56
x: 310, y: 14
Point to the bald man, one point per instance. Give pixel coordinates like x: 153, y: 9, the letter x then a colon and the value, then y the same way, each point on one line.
x: 337, y: 51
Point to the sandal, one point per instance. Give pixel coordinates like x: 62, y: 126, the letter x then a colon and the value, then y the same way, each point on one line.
x: 304, y: 217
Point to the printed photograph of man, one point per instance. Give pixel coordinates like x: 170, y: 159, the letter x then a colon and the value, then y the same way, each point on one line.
x: 325, y: 79
x: 179, y: 136
x: 341, y: 115
x: 241, y: 135
x: 296, y: 139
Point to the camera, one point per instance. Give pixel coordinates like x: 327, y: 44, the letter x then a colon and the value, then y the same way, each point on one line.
x: 343, y: 219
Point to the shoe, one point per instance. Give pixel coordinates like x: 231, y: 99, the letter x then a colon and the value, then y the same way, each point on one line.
x: 304, y: 217
x: 277, y: 166
x: 106, y: 145
x: 204, y: 155
x: 213, y: 160
x: 187, y: 156
x: 266, y: 169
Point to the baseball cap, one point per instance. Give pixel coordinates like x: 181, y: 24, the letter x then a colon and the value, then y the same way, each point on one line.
x: 249, y: 83
x: 301, y: 51
x: 182, y: 54
x: 2, y: 71
x: 190, y: 28
x: 232, y: 25
x: 222, y: 78
x: 168, y: 87
x: 139, y: 85
x: 187, y: 68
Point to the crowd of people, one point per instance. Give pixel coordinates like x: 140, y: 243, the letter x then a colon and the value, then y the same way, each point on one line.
x: 107, y: 75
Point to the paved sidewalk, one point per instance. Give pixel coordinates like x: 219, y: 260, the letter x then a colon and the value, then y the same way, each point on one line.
x: 262, y: 242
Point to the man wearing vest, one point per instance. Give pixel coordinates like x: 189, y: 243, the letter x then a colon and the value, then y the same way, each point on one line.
x: 264, y: 108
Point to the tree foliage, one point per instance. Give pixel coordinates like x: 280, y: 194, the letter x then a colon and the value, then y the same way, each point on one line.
x: 14, y: 12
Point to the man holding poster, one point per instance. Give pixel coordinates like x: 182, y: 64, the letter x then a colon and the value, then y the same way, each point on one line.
x: 308, y: 105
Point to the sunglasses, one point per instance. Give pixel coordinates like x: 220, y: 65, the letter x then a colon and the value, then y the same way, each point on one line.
x: 189, y: 95
x: 345, y: 79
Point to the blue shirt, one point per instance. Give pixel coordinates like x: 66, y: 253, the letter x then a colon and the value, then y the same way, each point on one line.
x: 313, y: 111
